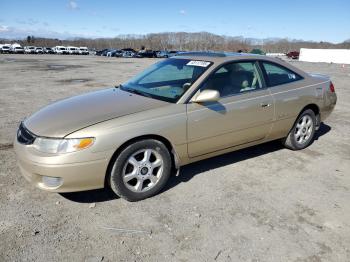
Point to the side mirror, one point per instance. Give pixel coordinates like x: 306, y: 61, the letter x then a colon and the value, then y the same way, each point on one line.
x: 207, y: 96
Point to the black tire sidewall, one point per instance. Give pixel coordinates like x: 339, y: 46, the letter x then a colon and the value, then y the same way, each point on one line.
x: 295, y: 144
x: 115, y: 177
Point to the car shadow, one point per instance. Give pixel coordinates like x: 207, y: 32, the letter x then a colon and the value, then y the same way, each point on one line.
x: 189, y: 171
x: 91, y: 196
x: 324, y: 129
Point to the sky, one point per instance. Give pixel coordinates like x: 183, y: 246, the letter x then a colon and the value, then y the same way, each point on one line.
x: 307, y: 20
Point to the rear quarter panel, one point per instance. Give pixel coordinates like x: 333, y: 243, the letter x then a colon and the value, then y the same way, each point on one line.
x: 290, y: 99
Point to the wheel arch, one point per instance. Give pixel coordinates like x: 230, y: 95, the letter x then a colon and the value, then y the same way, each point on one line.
x: 165, y: 141
x: 315, y: 108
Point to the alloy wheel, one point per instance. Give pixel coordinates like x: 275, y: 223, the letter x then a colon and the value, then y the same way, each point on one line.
x: 303, y: 129
x: 142, y: 170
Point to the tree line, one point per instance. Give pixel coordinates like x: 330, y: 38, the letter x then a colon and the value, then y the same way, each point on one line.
x: 202, y: 41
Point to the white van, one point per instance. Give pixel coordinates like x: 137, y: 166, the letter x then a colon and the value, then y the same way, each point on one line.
x: 29, y: 49
x: 72, y: 50
x: 60, y: 50
x: 16, y: 49
x: 39, y: 50
x: 5, y: 48
x: 83, y: 50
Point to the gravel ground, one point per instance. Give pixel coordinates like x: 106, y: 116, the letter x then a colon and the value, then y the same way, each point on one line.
x: 265, y: 203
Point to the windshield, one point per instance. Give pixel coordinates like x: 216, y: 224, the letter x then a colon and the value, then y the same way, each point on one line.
x: 167, y: 80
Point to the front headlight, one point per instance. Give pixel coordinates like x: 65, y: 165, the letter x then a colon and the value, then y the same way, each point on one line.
x: 60, y: 146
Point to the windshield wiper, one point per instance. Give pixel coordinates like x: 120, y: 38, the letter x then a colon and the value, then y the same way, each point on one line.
x: 135, y: 91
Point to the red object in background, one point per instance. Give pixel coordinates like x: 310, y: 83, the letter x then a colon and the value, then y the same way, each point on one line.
x: 293, y: 55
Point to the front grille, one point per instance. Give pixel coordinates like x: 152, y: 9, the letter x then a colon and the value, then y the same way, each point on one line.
x: 24, y: 136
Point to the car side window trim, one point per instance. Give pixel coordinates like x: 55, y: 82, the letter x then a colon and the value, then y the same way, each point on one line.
x: 262, y: 74
x: 253, y: 61
x: 265, y: 75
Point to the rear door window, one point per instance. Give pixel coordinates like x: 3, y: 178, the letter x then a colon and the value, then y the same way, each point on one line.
x: 279, y: 75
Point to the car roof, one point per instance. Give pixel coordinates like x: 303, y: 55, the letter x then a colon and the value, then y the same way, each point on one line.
x: 210, y: 53
x: 221, y: 57
x: 218, y: 57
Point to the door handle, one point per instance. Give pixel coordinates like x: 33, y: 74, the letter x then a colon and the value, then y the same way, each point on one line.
x: 265, y: 104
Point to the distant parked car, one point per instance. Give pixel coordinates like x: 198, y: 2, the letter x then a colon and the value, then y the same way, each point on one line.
x: 92, y: 51
x: 5, y: 48
x: 129, y: 49
x: 118, y: 53
x: 173, y: 53
x: 83, y: 50
x: 101, y: 52
x: 257, y: 51
x: 16, y: 49
x: 146, y: 53
x: 111, y: 52
x: 48, y: 50
x: 29, y: 49
x: 166, y: 54
x: 39, y: 50
x: 162, y: 54
x: 114, y: 53
x: 107, y: 51
x: 72, y: 50
x: 60, y: 50
x: 293, y: 55
x: 128, y: 54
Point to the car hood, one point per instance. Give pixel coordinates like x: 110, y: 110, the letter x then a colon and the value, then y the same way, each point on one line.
x: 66, y: 116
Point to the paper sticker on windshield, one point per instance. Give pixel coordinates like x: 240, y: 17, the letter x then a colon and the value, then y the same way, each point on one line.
x: 198, y: 63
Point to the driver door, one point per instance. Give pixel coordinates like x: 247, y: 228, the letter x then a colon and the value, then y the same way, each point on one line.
x: 243, y: 114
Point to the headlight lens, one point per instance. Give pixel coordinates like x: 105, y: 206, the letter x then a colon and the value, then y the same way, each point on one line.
x: 60, y: 146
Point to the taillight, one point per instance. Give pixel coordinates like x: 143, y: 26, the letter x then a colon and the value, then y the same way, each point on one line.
x: 331, y: 87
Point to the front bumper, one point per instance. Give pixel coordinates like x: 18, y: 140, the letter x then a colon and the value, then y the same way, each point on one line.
x: 78, y: 176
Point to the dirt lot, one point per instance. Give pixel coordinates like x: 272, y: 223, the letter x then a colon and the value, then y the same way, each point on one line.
x: 265, y: 203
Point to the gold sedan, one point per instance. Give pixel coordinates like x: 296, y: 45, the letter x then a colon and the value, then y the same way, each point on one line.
x: 180, y: 110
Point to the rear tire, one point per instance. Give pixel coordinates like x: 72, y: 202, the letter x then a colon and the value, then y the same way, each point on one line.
x: 303, y: 131
x: 141, y: 170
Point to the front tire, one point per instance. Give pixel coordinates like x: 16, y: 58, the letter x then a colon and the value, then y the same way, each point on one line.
x: 303, y: 132
x: 141, y: 170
